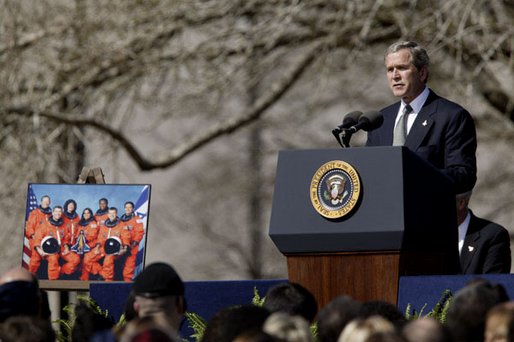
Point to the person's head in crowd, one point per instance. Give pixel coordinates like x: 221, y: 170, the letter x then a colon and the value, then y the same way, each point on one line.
x: 499, y: 325
x: 293, y: 299
x: 88, y: 322
x: 26, y: 328
x: 426, y: 329
x: 334, y: 316
x: 462, y: 202
x: 231, y: 322
x: 19, y: 294
x: 159, y: 291
x: 288, y: 328
x: 385, y: 310
x: 361, y: 329
x: 256, y: 336
x: 468, y: 309
x: 148, y: 329
x: 387, y: 336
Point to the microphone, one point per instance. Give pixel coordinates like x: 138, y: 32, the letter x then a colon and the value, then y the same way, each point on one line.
x: 350, y: 119
x: 367, y: 122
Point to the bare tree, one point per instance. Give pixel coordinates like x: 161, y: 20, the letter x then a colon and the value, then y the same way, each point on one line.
x: 160, y: 82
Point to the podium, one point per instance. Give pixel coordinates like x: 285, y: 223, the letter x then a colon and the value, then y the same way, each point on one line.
x: 404, y: 223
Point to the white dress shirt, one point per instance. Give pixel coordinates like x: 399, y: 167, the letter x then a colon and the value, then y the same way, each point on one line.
x: 416, y: 105
x: 463, y: 229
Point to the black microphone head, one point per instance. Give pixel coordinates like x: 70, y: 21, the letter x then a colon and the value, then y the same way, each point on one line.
x: 371, y: 120
x: 351, y: 119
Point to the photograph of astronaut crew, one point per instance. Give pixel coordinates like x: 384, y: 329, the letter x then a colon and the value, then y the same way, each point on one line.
x: 86, y: 231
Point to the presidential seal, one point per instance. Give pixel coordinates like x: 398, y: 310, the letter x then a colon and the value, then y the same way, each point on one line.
x: 335, y: 189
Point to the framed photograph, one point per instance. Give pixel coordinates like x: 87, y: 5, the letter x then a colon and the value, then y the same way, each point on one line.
x: 86, y: 232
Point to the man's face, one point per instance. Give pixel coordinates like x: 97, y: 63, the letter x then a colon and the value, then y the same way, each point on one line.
x: 112, y: 215
x: 45, y: 202
x: 102, y: 205
x: 57, y: 213
x: 128, y: 209
x: 405, y: 80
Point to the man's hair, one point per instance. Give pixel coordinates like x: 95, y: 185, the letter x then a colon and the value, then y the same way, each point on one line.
x: 419, y: 56
x: 288, y: 328
x: 234, y: 321
x: 385, y: 310
x: 27, y: 328
x: 468, y: 309
x: 88, y: 322
x: 334, y: 316
x: 57, y: 207
x: 103, y: 199
x: 114, y: 209
x: 44, y: 196
x: 293, y: 299
x: 129, y: 202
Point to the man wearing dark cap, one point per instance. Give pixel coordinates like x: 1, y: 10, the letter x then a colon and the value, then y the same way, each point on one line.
x: 159, y: 292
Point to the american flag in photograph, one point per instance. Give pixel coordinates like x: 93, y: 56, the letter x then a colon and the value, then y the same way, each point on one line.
x: 142, y: 211
x: 31, y: 205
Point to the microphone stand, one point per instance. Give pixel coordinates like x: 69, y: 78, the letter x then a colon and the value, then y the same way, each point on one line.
x: 346, y: 135
x: 343, y: 136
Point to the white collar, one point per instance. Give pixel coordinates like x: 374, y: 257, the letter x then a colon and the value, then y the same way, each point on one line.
x: 418, y: 102
x: 463, y: 230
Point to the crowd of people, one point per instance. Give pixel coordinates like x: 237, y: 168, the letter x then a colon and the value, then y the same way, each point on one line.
x: 83, y: 247
x: 480, y: 311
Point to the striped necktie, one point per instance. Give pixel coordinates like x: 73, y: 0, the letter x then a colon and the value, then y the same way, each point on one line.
x: 400, y: 131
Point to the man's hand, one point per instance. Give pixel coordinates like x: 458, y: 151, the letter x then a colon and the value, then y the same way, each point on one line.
x: 66, y: 250
x: 40, y: 251
x: 96, y: 249
x: 123, y: 250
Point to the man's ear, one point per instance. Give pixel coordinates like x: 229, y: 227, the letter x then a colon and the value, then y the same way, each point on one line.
x: 423, y: 73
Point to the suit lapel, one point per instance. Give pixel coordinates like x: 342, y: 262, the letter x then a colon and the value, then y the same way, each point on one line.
x: 470, y: 246
x: 423, y: 123
x: 388, y: 125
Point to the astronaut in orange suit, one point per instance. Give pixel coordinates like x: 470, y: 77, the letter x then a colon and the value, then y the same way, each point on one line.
x: 135, y: 226
x: 110, y: 229
x: 71, y: 218
x: 55, y: 228
x: 87, y: 230
x: 36, y: 219
x: 102, y: 213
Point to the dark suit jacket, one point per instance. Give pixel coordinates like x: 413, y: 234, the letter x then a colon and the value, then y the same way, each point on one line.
x: 486, y: 248
x: 443, y: 134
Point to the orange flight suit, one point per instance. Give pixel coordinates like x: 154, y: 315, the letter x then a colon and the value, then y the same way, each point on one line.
x: 58, y: 230
x: 71, y: 223
x: 136, y: 228
x: 36, y: 219
x: 90, y: 230
x: 91, y: 259
x: 101, y: 216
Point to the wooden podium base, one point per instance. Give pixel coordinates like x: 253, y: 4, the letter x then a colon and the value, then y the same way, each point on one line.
x: 364, y: 276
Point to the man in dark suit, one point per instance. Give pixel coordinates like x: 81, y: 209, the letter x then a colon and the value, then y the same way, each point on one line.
x: 436, y: 129
x: 484, y: 246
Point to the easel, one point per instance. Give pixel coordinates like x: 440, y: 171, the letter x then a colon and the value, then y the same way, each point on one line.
x: 87, y: 176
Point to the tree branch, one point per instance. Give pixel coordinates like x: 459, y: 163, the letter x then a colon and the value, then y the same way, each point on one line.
x: 166, y: 159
